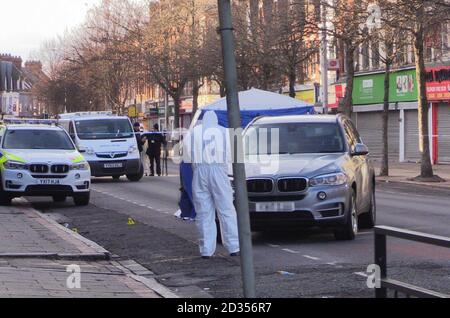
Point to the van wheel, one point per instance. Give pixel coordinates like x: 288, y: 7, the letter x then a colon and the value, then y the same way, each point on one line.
x: 59, y: 198
x: 82, y: 199
x: 349, y: 231
x: 136, y: 177
x: 368, y: 220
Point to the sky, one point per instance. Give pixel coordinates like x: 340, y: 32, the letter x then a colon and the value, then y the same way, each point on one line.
x: 26, y: 24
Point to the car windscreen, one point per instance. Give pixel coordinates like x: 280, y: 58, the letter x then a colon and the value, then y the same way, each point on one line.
x: 37, y: 139
x: 294, y: 138
x: 104, y: 129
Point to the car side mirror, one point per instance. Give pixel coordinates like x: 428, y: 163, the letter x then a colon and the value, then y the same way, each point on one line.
x: 80, y: 150
x: 360, y: 150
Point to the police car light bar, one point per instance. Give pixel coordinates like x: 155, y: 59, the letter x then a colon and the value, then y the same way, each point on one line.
x: 29, y: 121
x: 86, y: 114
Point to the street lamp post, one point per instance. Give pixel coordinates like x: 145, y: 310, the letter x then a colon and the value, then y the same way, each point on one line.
x: 234, y: 119
x: 324, y: 59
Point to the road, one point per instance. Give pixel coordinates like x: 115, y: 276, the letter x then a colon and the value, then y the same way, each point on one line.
x: 314, y: 264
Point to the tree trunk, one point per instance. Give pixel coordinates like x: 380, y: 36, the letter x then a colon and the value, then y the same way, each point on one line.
x: 292, y: 82
x: 195, y: 94
x: 385, y: 154
x: 177, y: 106
x: 223, y: 90
x: 424, y: 142
x: 347, y: 107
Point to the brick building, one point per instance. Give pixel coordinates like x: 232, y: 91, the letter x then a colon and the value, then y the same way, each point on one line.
x: 16, y: 86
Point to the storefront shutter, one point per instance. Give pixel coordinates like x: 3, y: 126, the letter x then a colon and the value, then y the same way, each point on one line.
x: 412, y: 150
x: 370, y: 126
x: 444, y: 132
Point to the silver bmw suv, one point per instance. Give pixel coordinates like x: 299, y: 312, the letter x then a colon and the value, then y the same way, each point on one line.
x: 323, y: 175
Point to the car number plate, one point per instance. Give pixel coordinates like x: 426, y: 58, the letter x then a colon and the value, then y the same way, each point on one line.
x: 275, y: 207
x: 49, y: 181
x: 113, y: 165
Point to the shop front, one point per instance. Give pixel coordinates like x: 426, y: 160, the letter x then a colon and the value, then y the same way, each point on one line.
x: 438, y: 93
x: 403, y: 119
x: 368, y: 97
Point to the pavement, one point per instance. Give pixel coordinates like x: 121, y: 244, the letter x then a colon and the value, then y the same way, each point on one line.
x: 41, y: 259
x: 404, y: 172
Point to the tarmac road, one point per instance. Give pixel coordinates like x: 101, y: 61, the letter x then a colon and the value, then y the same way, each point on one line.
x: 288, y: 264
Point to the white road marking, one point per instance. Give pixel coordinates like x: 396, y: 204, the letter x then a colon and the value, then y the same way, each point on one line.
x: 362, y: 274
x: 332, y: 264
x: 273, y: 245
x: 135, y: 203
x: 311, y: 257
x: 290, y: 251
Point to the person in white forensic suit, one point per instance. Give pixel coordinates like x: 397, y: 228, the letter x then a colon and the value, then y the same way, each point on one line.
x: 207, y: 147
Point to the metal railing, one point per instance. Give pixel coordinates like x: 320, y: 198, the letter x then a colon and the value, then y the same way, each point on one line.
x: 381, y: 233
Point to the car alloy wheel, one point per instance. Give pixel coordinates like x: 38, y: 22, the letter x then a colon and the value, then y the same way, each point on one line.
x: 349, y: 231
x: 373, y: 208
x: 354, y: 217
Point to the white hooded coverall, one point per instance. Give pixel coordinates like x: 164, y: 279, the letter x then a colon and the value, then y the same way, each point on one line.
x: 210, y: 154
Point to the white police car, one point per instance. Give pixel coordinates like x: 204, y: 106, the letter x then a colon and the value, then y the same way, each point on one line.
x: 41, y: 160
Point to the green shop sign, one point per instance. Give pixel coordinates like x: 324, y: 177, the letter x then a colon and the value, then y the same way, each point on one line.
x: 369, y: 89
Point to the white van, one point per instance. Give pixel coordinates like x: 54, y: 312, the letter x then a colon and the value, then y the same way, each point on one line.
x: 108, y: 143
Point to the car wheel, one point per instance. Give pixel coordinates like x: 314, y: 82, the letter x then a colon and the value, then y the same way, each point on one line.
x: 349, y: 231
x: 82, y: 199
x: 59, y: 198
x: 136, y: 177
x: 5, y: 199
x: 368, y: 220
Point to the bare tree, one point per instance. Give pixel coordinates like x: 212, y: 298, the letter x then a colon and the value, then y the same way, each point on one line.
x: 168, y: 49
x: 388, y: 43
x: 346, y: 23
x: 296, y: 40
x: 420, y: 18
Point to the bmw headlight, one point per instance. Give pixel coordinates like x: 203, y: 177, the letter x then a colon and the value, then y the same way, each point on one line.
x: 335, y: 179
x: 80, y: 166
x: 15, y: 165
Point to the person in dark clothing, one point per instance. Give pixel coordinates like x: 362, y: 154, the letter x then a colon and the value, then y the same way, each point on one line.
x: 137, y: 132
x: 141, y: 140
x: 155, y: 142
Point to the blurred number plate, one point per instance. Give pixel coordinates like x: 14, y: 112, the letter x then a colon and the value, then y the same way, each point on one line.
x: 113, y: 165
x: 49, y: 181
x: 275, y: 207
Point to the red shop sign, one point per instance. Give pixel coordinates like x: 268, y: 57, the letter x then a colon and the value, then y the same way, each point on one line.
x: 438, y: 83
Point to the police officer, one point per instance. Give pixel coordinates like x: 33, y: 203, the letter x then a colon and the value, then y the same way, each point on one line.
x: 155, y: 142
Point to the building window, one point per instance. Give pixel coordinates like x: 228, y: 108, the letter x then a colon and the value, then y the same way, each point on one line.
x: 375, y: 46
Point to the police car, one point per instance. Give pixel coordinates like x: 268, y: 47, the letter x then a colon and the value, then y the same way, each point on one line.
x: 41, y: 160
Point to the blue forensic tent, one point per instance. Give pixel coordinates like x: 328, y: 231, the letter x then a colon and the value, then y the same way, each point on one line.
x: 253, y: 103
